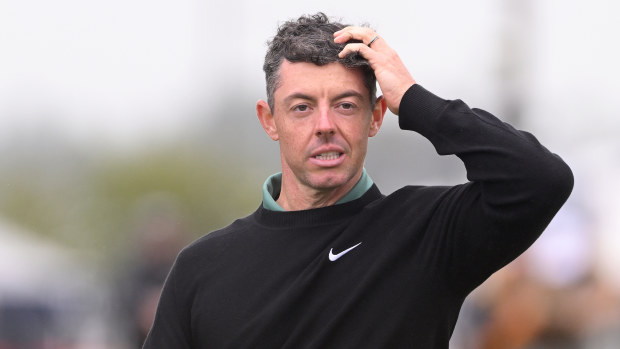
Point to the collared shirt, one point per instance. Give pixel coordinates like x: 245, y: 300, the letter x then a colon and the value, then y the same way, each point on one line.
x: 273, y: 184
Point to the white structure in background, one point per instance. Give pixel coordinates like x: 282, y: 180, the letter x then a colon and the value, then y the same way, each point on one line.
x: 48, y: 298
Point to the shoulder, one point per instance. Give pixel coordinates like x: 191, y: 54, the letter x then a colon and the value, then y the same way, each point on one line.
x: 421, y: 194
x: 425, y: 202
x: 215, y: 243
x: 417, y: 200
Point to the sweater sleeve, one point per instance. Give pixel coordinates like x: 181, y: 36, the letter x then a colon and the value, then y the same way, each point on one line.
x: 516, y: 185
x: 171, y: 327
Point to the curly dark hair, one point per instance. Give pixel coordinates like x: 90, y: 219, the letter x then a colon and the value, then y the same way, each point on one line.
x: 310, y: 39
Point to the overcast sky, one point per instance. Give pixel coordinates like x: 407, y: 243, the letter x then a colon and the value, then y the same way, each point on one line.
x: 128, y: 71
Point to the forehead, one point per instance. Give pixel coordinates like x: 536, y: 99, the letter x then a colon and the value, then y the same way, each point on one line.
x: 311, y: 79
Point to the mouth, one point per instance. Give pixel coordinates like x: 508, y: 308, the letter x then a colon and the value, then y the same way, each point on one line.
x: 328, y: 158
x: 332, y: 155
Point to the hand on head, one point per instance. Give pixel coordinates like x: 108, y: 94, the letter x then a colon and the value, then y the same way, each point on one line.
x: 392, y: 75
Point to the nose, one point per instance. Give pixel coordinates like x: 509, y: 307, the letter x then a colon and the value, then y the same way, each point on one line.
x: 325, y: 124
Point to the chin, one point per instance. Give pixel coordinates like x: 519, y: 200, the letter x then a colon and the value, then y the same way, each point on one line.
x: 331, y: 181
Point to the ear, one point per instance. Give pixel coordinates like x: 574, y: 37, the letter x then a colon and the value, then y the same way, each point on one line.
x: 377, y: 116
x: 266, y: 119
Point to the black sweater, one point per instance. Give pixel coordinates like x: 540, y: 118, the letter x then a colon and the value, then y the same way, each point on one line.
x: 266, y: 280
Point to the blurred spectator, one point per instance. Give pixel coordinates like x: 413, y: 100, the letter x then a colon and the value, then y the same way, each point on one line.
x: 550, y: 298
x: 159, y: 236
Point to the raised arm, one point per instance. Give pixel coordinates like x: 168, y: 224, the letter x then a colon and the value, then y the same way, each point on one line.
x: 516, y: 185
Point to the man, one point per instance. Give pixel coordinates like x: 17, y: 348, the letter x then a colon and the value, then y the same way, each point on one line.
x: 327, y: 261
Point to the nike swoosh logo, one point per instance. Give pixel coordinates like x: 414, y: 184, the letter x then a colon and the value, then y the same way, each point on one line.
x: 333, y: 257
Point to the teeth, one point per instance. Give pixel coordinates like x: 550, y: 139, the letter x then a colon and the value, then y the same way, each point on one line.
x: 328, y: 156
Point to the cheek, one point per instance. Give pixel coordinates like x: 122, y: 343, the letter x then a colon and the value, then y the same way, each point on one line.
x: 294, y: 133
x: 358, y: 134
x: 289, y: 145
x: 292, y: 144
x: 362, y: 146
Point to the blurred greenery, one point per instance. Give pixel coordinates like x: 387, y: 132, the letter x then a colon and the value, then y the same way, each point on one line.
x: 90, y: 202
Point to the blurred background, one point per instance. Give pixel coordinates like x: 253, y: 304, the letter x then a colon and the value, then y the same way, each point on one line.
x: 127, y: 129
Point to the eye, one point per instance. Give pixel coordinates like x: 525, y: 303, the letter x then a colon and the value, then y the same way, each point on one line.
x: 346, y: 107
x: 301, y: 108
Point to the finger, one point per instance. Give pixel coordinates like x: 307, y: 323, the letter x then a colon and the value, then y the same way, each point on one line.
x: 341, y: 31
x: 360, y: 48
x: 342, y: 37
x: 354, y: 30
x: 373, y: 41
x: 363, y: 34
x: 355, y: 33
x: 346, y: 37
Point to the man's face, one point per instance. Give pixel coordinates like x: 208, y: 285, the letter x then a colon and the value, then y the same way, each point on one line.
x: 322, y: 118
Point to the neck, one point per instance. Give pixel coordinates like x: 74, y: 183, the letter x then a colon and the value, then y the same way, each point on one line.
x: 295, y: 196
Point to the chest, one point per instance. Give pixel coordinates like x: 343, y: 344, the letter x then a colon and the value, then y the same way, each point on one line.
x: 328, y: 284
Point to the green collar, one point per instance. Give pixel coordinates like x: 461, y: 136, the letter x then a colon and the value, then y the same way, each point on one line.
x: 271, y: 190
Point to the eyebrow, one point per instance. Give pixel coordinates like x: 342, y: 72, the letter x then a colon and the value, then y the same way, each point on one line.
x: 349, y: 93
x: 297, y: 95
x: 345, y: 94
